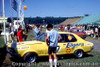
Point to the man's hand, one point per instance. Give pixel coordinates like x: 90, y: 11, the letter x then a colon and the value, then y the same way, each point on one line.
x: 47, y: 38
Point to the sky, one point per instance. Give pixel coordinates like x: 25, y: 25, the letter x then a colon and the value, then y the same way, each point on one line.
x: 55, y: 8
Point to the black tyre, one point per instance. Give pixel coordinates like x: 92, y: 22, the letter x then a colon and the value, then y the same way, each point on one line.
x: 79, y: 53
x: 30, y: 57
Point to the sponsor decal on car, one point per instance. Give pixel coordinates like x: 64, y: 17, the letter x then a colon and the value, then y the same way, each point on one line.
x: 88, y: 44
x: 74, y: 45
x: 69, y: 37
x: 68, y: 50
x: 21, y: 48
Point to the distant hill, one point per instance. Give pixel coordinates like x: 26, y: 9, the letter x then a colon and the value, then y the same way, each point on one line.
x: 71, y: 20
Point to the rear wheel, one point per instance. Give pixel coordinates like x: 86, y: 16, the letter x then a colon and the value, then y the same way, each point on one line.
x: 30, y: 57
x: 79, y: 53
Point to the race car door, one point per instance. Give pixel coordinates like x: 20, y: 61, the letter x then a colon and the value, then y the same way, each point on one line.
x: 66, y: 40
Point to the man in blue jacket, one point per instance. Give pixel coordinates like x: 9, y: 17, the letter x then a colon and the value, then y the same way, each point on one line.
x: 36, y: 31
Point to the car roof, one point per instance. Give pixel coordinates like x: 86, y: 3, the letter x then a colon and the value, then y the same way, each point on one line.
x: 65, y: 33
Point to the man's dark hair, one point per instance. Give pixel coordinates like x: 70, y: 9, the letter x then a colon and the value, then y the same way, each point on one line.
x: 50, y: 26
x: 37, y: 25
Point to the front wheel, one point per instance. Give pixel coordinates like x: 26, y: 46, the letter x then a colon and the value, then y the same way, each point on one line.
x: 79, y: 53
x: 30, y: 57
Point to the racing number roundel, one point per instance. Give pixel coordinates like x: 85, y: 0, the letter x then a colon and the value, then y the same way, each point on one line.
x: 58, y: 49
x: 69, y: 37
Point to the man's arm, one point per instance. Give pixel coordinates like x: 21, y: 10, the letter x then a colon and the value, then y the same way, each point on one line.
x: 47, y: 40
x: 18, y: 38
x: 59, y: 38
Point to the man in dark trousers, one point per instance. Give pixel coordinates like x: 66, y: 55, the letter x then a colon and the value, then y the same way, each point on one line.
x: 27, y: 28
x: 52, y: 42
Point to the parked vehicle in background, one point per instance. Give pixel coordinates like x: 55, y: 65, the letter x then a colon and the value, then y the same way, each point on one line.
x: 89, y: 32
x: 79, y: 32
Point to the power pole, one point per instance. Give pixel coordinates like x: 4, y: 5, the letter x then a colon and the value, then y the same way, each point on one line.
x: 3, y: 1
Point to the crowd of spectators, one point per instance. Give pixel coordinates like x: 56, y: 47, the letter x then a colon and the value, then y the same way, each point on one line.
x: 94, y: 29
x: 18, y: 33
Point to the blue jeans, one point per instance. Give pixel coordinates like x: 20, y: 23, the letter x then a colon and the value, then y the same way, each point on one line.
x: 37, y: 36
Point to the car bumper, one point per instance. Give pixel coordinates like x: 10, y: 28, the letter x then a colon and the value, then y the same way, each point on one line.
x: 92, y: 47
x: 12, y: 52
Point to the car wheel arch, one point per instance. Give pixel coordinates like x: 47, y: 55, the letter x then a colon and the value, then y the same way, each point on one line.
x: 29, y: 52
x: 78, y: 48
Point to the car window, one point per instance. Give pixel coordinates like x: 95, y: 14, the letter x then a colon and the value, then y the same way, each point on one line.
x: 80, y: 30
x: 67, y: 38
x: 75, y: 30
x: 62, y: 38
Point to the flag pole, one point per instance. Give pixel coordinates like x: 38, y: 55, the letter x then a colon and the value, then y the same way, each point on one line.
x: 17, y: 17
x: 12, y: 16
x: 4, y: 21
x: 17, y: 21
x: 19, y: 10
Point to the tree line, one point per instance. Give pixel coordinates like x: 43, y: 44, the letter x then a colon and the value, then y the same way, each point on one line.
x: 44, y: 20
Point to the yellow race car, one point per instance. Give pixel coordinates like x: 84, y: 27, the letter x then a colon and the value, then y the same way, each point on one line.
x: 70, y: 43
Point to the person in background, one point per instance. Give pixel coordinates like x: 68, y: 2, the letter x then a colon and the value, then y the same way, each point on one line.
x: 36, y: 31
x: 95, y: 32
x: 65, y: 28
x: 15, y: 29
x: 47, y: 31
x: 83, y: 28
x: 27, y: 28
x: 24, y: 35
x: 19, y: 35
x: 2, y: 50
x: 52, y: 42
x: 68, y: 28
x: 62, y: 28
x: 99, y: 32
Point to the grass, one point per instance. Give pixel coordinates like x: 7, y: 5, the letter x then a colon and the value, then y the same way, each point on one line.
x: 91, y: 59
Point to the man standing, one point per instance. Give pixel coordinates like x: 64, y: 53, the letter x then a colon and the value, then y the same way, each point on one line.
x: 52, y: 41
x: 27, y: 28
x: 36, y: 31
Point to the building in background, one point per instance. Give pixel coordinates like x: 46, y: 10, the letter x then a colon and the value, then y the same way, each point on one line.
x: 1, y: 19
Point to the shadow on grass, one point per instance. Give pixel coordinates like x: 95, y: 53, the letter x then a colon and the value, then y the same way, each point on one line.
x: 17, y: 62
x: 87, y: 55
x: 62, y: 57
